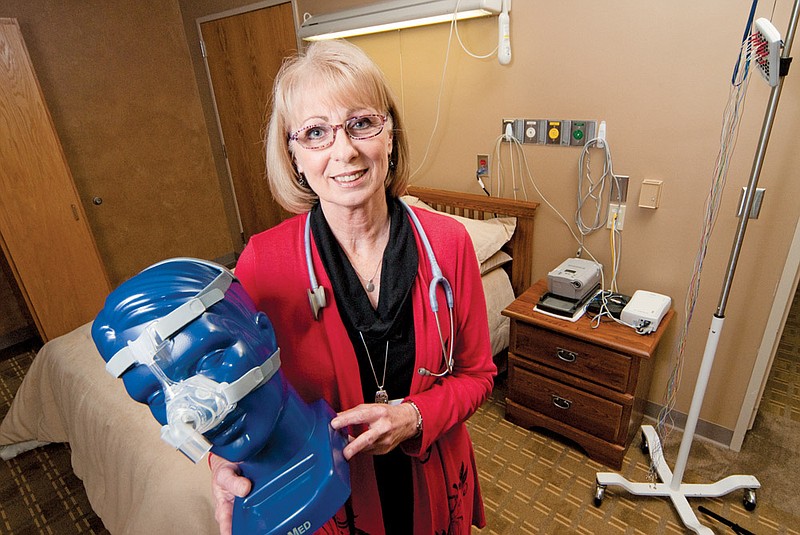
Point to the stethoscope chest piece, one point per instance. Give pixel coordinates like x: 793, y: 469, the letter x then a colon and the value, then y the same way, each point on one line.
x: 316, y: 298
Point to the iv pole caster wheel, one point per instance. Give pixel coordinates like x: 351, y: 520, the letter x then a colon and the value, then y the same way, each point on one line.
x: 644, y: 446
x: 749, y: 500
x: 599, y: 493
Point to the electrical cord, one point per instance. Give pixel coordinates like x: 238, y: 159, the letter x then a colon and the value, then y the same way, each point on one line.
x: 615, y: 239
x: 453, y: 30
x: 438, y: 100
x: 729, y: 134
x: 496, y: 182
x: 594, y: 193
x: 595, y: 188
x: 460, y: 42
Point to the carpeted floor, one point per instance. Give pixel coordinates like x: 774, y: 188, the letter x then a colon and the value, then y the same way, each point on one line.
x: 532, y: 482
x: 539, y: 484
x: 781, y: 399
x: 39, y: 493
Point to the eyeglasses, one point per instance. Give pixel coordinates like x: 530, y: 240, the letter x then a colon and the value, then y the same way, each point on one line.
x: 322, y: 136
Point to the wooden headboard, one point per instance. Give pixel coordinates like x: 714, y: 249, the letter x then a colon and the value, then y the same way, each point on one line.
x: 520, y: 247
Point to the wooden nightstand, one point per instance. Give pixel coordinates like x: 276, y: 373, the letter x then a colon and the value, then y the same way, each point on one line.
x: 589, y: 385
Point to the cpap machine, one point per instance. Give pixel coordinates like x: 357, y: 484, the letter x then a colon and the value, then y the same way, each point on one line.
x: 187, y: 340
x: 574, y: 278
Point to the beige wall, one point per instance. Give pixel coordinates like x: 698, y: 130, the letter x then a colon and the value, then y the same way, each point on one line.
x: 658, y: 73
x: 119, y: 84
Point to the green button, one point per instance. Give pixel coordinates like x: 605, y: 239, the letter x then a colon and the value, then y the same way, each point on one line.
x: 578, y: 134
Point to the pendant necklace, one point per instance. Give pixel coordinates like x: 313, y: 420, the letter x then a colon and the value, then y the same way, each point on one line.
x: 380, y: 395
x: 370, y: 287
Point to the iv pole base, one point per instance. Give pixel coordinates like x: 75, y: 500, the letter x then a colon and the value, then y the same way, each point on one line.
x: 685, y: 490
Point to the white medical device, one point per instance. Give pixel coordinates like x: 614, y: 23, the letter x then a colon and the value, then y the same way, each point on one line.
x: 317, y: 300
x: 645, y: 311
x: 504, y: 35
x: 574, y: 278
x: 766, y: 44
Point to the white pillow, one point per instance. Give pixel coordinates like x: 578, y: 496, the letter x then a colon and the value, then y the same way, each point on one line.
x: 495, y: 261
x: 488, y: 235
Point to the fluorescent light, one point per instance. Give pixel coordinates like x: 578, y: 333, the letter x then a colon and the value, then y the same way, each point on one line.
x: 392, y: 15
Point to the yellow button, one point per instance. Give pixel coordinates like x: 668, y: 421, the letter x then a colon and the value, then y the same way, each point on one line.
x: 553, y: 133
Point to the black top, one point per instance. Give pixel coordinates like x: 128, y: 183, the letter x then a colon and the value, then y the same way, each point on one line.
x: 392, y: 322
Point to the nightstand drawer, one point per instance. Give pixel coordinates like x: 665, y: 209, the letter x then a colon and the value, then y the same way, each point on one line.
x: 591, y: 362
x: 581, y: 410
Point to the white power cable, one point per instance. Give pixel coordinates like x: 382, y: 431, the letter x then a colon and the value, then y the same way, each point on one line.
x: 453, y: 29
x: 595, y: 188
x: 515, y: 145
x: 438, y: 98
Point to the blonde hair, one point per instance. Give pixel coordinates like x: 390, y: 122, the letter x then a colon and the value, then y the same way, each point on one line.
x: 350, y: 76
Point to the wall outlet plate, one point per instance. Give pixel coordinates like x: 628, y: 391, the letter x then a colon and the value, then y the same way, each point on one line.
x: 650, y: 193
x: 617, y: 210
x: 553, y: 136
x: 623, y: 189
x: 517, y: 128
x: 482, y: 165
x: 534, y: 131
x: 755, y: 208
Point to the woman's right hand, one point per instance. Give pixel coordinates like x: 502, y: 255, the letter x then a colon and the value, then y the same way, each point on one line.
x: 226, y: 484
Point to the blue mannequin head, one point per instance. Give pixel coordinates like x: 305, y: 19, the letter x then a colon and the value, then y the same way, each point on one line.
x: 229, y: 339
x: 187, y: 340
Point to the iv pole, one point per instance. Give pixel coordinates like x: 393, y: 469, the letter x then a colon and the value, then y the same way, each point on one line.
x: 672, y: 485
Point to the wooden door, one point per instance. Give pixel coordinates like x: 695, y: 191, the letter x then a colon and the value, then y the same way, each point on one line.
x: 43, y: 230
x: 243, y: 54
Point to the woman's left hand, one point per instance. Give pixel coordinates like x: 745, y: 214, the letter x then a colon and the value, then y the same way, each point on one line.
x: 387, y: 426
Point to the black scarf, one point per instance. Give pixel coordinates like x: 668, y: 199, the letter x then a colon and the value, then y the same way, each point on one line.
x: 392, y: 321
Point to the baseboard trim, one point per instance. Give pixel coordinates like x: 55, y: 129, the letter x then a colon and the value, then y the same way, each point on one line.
x: 705, y: 430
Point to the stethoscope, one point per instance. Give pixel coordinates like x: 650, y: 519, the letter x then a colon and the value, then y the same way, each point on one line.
x: 317, y: 300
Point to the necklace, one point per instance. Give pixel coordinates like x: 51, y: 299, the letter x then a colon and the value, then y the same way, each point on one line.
x: 370, y: 287
x: 380, y: 395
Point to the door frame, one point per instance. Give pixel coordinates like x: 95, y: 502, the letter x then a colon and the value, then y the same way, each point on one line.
x: 198, y: 25
x: 784, y: 294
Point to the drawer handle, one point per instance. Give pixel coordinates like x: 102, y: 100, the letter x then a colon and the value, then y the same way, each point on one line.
x: 561, y: 403
x: 566, y: 355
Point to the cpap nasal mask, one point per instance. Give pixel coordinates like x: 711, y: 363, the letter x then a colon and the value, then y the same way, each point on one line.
x: 196, y: 404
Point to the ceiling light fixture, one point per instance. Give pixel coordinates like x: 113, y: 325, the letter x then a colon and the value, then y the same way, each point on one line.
x: 392, y: 15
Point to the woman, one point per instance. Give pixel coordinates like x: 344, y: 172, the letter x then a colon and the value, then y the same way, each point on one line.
x: 337, y: 155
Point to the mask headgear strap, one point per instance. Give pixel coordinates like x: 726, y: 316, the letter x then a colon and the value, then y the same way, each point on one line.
x: 235, y: 391
x: 146, y: 346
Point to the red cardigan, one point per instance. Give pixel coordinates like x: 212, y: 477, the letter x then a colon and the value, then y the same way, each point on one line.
x: 319, y: 361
